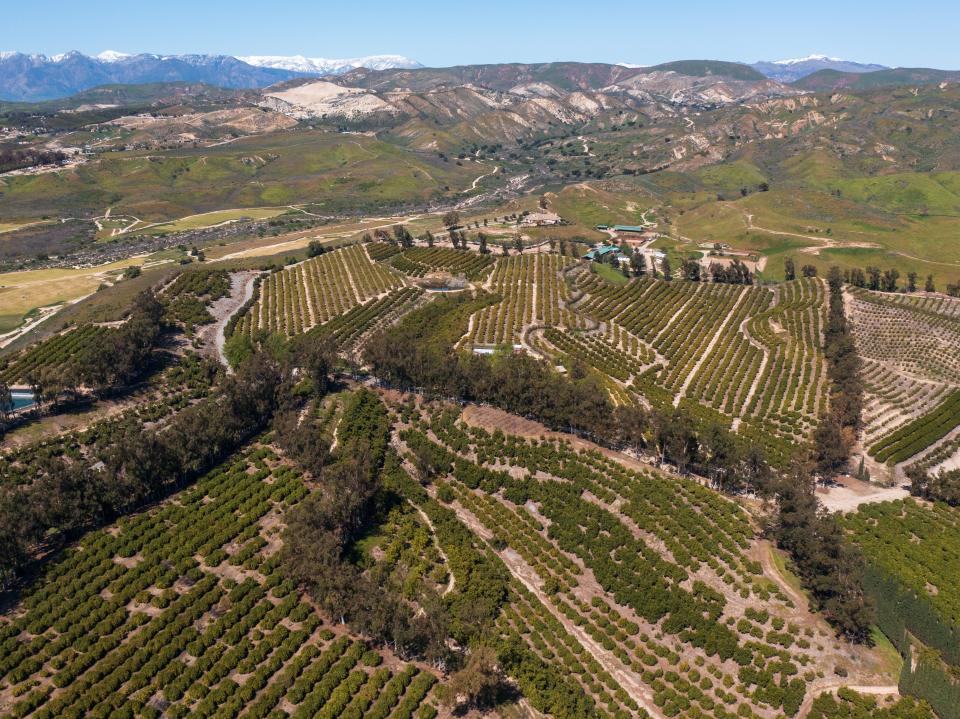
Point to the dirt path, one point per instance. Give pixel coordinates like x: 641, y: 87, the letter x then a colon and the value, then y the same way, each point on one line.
x: 765, y: 557
x: 452, y: 581
x: 586, y: 147
x: 826, y: 242
x: 241, y: 290
x: 488, y: 174
x: 829, y: 242
x: 755, y: 385
x: 525, y: 574
x: 44, y: 313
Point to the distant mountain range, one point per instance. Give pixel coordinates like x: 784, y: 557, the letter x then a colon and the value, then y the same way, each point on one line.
x: 35, y: 77
x: 325, y: 66
x: 31, y: 78
x: 798, y: 68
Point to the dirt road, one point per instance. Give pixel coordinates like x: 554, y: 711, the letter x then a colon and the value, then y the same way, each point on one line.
x: 212, y: 336
x: 850, y: 493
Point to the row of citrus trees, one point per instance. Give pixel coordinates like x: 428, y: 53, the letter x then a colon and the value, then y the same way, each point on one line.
x: 418, y: 261
x: 700, y: 532
x: 913, y: 579
x: 56, y: 352
x: 532, y: 292
x: 916, y: 436
x: 182, y: 611
x: 313, y: 292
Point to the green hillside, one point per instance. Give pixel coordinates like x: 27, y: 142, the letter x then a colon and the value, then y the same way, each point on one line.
x: 703, y: 68
x: 827, y: 80
x: 270, y: 170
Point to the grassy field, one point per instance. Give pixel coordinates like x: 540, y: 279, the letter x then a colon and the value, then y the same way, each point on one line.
x: 333, y: 171
x: 822, y: 229
x: 609, y: 273
x: 216, y: 217
x: 23, y: 292
x: 589, y: 205
x: 731, y: 177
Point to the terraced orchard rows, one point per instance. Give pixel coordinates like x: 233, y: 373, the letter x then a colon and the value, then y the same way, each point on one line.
x: 913, y: 580
x: 57, y: 352
x: 418, y: 261
x: 908, y: 345
x: 311, y: 293
x: 181, y: 611
x: 645, y: 590
x: 752, y: 355
x: 534, y: 293
x: 747, y: 357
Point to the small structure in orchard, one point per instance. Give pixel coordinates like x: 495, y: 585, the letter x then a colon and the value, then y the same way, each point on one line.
x: 601, y: 253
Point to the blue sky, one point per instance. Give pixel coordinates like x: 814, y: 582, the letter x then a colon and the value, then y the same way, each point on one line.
x: 919, y: 33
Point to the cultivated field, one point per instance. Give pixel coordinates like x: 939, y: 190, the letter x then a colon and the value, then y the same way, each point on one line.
x: 651, y: 593
x: 911, y: 370
x: 313, y: 292
x: 181, y: 611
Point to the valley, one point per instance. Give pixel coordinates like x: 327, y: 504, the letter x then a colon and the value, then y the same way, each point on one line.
x: 567, y: 390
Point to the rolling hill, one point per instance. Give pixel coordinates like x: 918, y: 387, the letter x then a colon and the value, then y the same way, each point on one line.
x: 830, y: 80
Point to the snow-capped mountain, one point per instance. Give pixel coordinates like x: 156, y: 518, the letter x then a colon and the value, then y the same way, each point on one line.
x: 36, y: 77
x: 808, y: 58
x: 327, y: 66
x: 794, y: 69
x: 112, y: 56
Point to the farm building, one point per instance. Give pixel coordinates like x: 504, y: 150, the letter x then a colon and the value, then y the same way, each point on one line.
x: 599, y: 254
x: 622, y: 228
x: 605, y: 253
x: 541, y: 219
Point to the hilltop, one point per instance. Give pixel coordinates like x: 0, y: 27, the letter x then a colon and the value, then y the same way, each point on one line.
x: 828, y: 80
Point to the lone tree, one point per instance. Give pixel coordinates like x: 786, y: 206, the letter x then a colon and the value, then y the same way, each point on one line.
x: 451, y: 219
x: 929, y: 286
x: 478, y: 683
x: 482, y: 241
x: 518, y: 243
x: 691, y: 270
x: 667, y: 270
x: 789, y: 269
